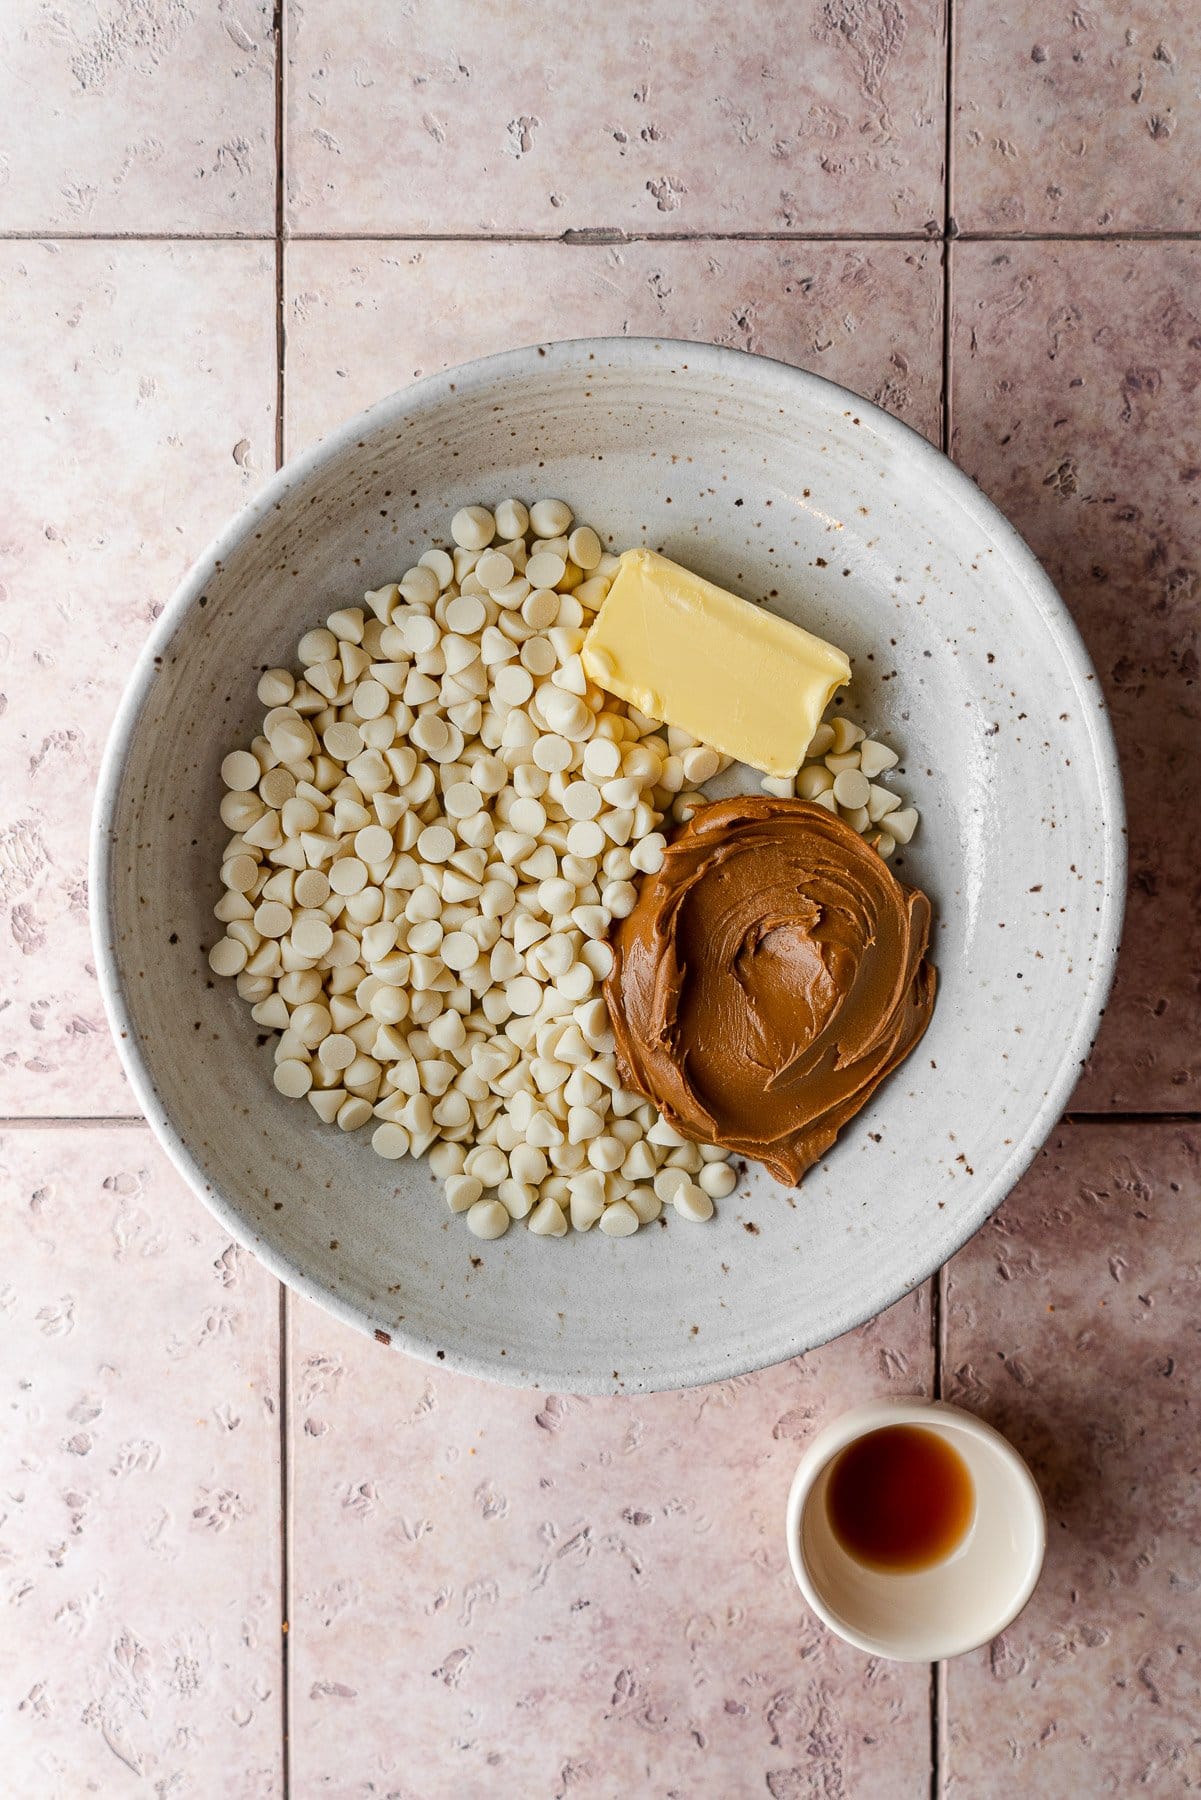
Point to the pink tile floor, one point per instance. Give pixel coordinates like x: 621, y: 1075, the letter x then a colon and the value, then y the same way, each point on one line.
x: 244, y: 1552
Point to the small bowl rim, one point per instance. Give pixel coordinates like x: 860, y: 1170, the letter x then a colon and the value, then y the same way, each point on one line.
x: 593, y: 355
x: 848, y: 1428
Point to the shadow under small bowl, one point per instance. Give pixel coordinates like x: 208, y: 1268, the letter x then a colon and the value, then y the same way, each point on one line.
x: 956, y: 1604
x: 790, y: 491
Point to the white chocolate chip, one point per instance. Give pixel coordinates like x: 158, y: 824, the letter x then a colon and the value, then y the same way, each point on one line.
x: 473, y: 528
x: 880, y: 802
x: 241, y: 771
x: 700, y: 765
x: 692, y: 1202
x: 488, y: 1219
x: 547, y: 1219
x: 227, y: 957
x: 875, y: 758
x: 584, y: 547
x: 813, y: 780
x: 844, y: 736
x: 851, y: 788
x: 549, y: 518
x: 717, y: 1179
x: 512, y: 519
x: 390, y: 1140
x: 619, y: 1219
x: 293, y: 1078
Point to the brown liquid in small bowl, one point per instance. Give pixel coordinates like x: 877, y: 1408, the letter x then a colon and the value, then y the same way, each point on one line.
x: 900, y: 1499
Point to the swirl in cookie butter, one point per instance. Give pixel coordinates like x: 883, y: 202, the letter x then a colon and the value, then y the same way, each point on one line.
x: 770, y: 976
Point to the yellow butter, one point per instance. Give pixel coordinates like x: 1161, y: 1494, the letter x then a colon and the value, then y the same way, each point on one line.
x: 683, y: 650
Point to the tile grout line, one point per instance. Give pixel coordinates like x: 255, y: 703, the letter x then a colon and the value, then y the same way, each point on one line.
x: 938, y: 1280
x: 285, y: 1543
x: 938, y: 1708
x: 592, y: 236
x: 77, y: 1122
x: 1155, y: 1117
x: 581, y: 236
x: 285, y: 1498
x: 958, y: 235
x: 605, y: 236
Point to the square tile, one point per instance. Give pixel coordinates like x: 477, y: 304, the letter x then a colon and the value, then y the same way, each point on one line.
x: 1075, y: 369
x: 507, y: 1592
x: 140, y: 1512
x: 445, y: 117
x: 365, y: 318
x: 137, y: 383
x: 137, y: 115
x: 1071, y: 1325
x: 1076, y: 118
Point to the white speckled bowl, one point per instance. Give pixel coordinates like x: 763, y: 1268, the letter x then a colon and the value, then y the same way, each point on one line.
x: 785, y: 488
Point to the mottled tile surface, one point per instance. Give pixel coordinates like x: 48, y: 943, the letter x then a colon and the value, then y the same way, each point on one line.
x: 366, y: 318
x: 445, y: 116
x: 137, y: 391
x: 500, y: 1593
x: 137, y: 115
x: 1076, y: 118
x: 1072, y: 1324
x: 139, y: 1500
x: 568, y: 1596
x: 1075, y: 374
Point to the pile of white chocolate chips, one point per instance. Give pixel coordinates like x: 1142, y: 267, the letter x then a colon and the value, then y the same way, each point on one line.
x: 434, y: 832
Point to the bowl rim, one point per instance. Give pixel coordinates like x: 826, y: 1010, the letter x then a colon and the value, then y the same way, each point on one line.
x: 421, y: 396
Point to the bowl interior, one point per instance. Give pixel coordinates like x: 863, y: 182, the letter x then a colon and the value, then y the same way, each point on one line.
x: 792, y: 492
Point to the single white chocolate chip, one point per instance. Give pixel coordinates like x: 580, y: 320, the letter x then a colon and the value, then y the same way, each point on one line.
x: 547, y: 1219
x: 813, y: 780
x: 717, y: 1179
x: 619, y: 1219
x: 875, y: 758
x: 549, y: 518
x: 692, y: 1202
x: 473, y: 527
x: 227, y: 957
x: 844, y: 736
x: 488, y: 1219
x: 241, y: 771
x: 293, y: 1078
x: 851, y: 788
x: 880, y: 802
x: 584, y: 547
x: 390, y: 1140
x: 512, y: 519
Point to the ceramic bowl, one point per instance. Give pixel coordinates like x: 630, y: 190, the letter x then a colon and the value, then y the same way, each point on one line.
x: 791, y: 491
x: 957, y: 1604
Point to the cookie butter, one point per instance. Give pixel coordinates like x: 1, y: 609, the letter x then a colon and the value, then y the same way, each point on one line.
x: 771, y: 975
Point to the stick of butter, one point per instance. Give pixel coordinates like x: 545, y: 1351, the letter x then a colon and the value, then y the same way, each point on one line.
x: 679, y: 648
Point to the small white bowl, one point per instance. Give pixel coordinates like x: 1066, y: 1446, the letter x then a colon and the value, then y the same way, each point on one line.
x: 959, y: 1603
